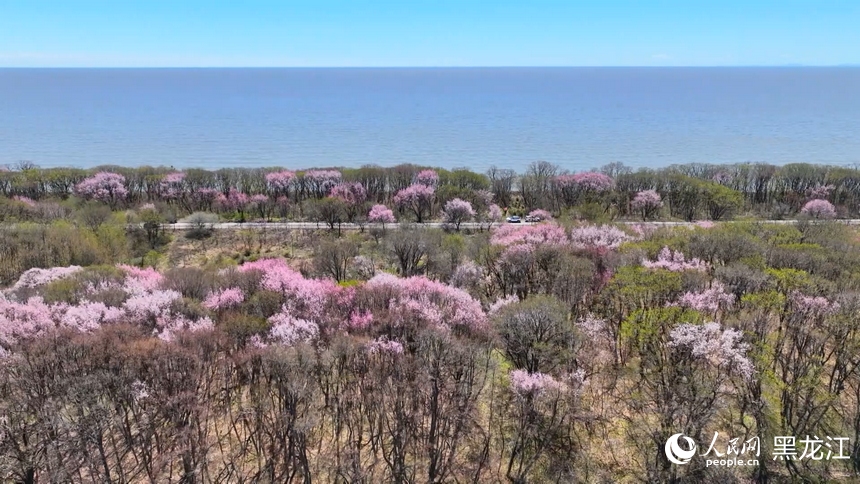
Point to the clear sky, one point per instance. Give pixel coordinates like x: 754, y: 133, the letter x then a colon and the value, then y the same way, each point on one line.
x: 175, y: 33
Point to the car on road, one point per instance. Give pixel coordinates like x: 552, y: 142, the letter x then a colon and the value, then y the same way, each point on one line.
x: 514, y: 219
x: 531, y: 219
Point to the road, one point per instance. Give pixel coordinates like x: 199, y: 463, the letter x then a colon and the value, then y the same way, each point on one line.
x: 427, y: 225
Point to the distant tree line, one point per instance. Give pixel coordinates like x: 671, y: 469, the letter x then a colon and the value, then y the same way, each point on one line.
x: 687, y: 192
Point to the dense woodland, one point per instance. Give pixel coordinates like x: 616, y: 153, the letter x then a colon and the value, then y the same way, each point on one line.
x: 563, y: 351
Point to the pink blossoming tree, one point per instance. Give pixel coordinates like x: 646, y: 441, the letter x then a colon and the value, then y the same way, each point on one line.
x: 104, y: 187
x: 820, y: 209
x: 717, y: 347
x: 458, y: 211
x: 279, y: 183
x: 647, y: 203
x: 417, y: 199
x: 320, y: 182
x: 381, y: 214
x: 676, y: 262
x: 427, y: 178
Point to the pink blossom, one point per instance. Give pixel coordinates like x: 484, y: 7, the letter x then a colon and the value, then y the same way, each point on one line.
x: 224, y: 298
x: 524, y: 383
x: 427, y: 177
x: 307, y: 298
x: 467, y: 275
x: 722, y: 177
x: 37, y: 277
x: 675, y: 261
x: 458, y: 211
x: 257, y: 341
x: 139, y: 280
x: 710, y: 300
x: 705, y: 224
x: 234, y: 200
x: 351, y: 193
x: 259, y: 198
x: 494, y: 213
x: 139, y: 390
x: 289, y: 330
x: 819, y: 209
x: 592, y: 326
x: 588, y: 181
x: 418, y: 299
x: 813, y: 306
x: 322, y: 181
x: 819, y: 191
x: 484, y: 197
x: 170, y: 326
x: 641, y: 230
x: 104, y: 187
x: 23, y: 321
x: 498, y: 304
x: 172, y: 186
x: 720, y: 348
x: 547, y: 233
x: 148, y: 307
x: 364, y: 266
x: 416, y: 198
x: 598, y: 237
x: 381, y: 214
x: 279, y: 182
x: 517, y: 261
x: 204, y: 198
x: 29, y: 202
x: 89, y: 316
x: 384, y: 345
x: 359, y: 320
x: 539, y: 215
x: 646, y: 202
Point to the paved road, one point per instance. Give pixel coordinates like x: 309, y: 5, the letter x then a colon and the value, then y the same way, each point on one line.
x: 429, y: 225
x: 315, y: 225
x: 436, y: 225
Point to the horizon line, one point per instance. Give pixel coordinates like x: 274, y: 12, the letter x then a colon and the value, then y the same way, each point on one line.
x: 450, y: 67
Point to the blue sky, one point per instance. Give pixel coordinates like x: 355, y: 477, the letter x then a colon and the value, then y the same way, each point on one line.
x: 213, y: 33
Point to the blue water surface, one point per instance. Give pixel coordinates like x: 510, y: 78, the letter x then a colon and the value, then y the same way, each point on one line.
x: 576, y: 117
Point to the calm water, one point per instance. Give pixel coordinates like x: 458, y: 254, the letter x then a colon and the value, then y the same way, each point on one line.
x: 576, y: 117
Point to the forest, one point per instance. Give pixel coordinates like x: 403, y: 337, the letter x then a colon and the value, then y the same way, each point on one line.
x: 569, y: 349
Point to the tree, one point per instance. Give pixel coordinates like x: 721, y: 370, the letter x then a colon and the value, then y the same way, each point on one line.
x: 93, y: 215
x: 427, y: 178
x: 330, y: 210
x: 416, y: 198
x: 647, y: 203
x: 320, y: 182
x: 410, y: 249
x: 819, y: 209
x: 152, y: 221
x: 581, y: 187
x: 333, y: 258
x: 502, y: 184
x: 280, y: 182
x: 201, y: 224
x: 720, y: 200
x: 353, y: 196
x: 104, y: 187
x: 381, y: 214
x: 458, y: 211
x: 538, y: 335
